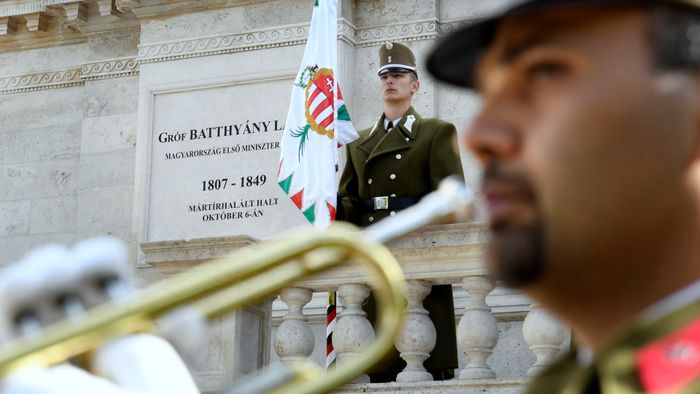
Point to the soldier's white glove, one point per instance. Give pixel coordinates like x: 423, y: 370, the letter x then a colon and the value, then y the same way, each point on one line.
x: 53, y: 283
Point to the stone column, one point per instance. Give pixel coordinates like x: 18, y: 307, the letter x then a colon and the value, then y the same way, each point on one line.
x: 545, y: 334
x: 295, y: 339
x: 477, y: 332
x: 353, y: 332
x: 418, y: 336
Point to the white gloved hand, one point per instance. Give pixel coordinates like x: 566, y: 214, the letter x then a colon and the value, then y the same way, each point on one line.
x: 61, y: 379
x: 134, y: 364
x: 144, y: 362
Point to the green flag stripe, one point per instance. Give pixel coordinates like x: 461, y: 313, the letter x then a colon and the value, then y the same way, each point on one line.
x: 343, y: 113
x: 285, y: 184
x: 309, y: 214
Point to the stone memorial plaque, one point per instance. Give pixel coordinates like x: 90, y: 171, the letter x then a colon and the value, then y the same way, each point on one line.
x: 214, y: 162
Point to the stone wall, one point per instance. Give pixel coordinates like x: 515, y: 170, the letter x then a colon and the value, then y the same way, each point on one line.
x: 70, y: 102
x: 67, y: 157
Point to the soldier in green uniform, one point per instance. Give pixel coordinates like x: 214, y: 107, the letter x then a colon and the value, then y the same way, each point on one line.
x: 589, y: 136
x: 390, y: 167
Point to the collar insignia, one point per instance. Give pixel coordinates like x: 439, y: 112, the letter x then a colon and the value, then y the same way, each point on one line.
x: 409, y: 123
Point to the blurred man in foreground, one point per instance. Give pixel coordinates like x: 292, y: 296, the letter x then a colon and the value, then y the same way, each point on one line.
x: 590, y: 140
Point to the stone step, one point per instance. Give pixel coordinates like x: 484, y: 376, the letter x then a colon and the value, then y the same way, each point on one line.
x: 442, y: 387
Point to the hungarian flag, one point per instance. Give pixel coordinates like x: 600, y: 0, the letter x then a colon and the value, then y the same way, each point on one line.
x: 318, y: 123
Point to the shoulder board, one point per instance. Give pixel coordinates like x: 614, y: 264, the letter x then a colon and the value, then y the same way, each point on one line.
x: 672, y: 362
x: 437, y: 122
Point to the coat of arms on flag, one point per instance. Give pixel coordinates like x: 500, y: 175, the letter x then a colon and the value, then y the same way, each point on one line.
x: 318, y: 123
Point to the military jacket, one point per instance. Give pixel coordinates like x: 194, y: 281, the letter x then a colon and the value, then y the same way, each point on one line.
x: 408, y: 161
x: 661, y: 356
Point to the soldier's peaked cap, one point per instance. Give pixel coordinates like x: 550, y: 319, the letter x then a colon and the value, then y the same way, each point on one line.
x: 453, y: 59
x: 395, y: 57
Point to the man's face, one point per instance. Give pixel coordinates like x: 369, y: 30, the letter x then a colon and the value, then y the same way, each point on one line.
x: 398, y: 86
x: 583, y: 145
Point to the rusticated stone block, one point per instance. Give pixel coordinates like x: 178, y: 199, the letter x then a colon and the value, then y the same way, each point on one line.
x: 106, y: 169
x: 57, y: 142
x: 370, y: 13
x: 276, y: 13
x: 111, y: 96
x: 46, y: 178
x: 14, y: 217
x: 50, y: 108
x: 105, y: 211
x: 108, y: 133
x: 15, y: 246
x: 53, y: 215
x: 42, y: 59
x: 186, y: 26
x: 467, y: 9
x: 112, y: 45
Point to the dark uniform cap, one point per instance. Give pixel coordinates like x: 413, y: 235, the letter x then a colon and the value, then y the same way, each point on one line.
x: 454, y: 58
x: 395, y: 57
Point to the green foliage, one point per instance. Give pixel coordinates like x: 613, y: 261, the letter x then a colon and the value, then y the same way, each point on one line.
x: 303, y: 134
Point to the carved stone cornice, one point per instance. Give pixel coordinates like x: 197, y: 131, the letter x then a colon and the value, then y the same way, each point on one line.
x: 397, y: 32
x: 230, y: 43
x: 445, y: 28
x: 41, y: 81
x: 176, y: 256
x: 114, y: 68
x: 290, y: 35
x: 347, y: 31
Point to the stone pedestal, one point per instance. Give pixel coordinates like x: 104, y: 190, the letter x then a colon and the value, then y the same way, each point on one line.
x: 238, y: 344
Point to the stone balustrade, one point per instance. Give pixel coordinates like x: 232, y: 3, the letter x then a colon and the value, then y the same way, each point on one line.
x: 445, y: 254
x: 439, y: 254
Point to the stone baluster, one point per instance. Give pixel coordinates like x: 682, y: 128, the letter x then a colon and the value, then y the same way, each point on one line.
x: 477, y: 332
x: 353, y: 332
x: 545, y: 335
x: 418, y: 336
x: 295, y: 339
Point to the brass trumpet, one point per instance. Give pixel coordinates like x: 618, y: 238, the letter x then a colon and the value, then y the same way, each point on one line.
x: 224, y: 285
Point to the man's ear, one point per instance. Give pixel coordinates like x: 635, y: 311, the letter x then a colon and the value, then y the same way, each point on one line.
x: 416, y: 86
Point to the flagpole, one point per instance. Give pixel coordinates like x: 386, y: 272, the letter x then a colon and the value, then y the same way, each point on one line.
x: 330, y: 327
x: 331, y: 309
